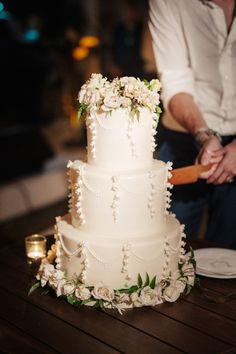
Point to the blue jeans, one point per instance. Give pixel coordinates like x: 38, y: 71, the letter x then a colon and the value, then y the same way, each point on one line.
x: 191, y: 200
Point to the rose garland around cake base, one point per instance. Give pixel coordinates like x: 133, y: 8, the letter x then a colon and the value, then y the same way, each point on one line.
x: 148, y: 292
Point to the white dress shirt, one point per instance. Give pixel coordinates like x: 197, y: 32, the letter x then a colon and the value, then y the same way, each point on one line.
x: 195, y: 54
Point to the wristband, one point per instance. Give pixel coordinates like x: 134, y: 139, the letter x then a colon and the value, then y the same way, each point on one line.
x: 204, y: 133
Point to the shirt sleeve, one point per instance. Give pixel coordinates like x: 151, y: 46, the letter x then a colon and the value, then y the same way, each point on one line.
x: 170, y: 48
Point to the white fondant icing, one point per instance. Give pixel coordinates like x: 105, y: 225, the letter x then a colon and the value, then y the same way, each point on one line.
x: 120, y: 142
x: 113, y: 259
x: 126, y: 202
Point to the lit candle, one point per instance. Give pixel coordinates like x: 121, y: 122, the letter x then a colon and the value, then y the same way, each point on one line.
x: 35, y: 246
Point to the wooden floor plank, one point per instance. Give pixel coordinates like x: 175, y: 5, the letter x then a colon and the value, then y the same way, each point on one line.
x: 201, y: 319
x: 12, y: 340
x: 171, y: 331
x: 48, y: 328
x: 223, y: 286
x: 213, y: 301
x: 90, y: 321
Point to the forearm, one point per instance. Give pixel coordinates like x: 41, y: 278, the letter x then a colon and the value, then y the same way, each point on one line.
x: 185, y: 111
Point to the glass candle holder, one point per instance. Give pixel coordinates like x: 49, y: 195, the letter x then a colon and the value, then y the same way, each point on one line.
x: 35, y: 247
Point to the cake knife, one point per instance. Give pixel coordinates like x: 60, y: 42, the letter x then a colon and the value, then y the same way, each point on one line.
x: 189, y: 174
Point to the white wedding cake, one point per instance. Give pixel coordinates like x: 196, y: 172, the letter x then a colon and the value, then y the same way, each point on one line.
x: 119, y: 247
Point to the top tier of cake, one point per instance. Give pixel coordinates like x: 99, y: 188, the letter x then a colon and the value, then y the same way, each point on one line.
x: 121, y: 117
x: 120, y: 142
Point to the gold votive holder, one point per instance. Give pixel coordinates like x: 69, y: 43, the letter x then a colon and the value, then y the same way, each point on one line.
x: 35, y: 248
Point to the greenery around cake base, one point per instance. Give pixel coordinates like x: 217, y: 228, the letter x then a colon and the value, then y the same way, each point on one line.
x: 147, y: 292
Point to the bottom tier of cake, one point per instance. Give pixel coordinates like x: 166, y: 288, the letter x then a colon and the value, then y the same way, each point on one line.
x: 108, y: 273
x: 117, y: 263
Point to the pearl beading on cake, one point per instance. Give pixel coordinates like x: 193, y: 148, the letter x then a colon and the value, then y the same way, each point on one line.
x: 116, y: 198
x: 90, y: 121
x: 154, y: 131
x: 167, y: 259
x: 169, y: 187
x: 183, y: 243
x: 130, y: 128
x: 59, y: 254
x: 70, y: 187
x: 126, y: 256
x: 59, y: 251
x: 78, y: 192
x: 153, y: 192
x: 84, y: 261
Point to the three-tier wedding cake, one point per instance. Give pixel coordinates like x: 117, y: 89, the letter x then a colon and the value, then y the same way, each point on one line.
x: 119, y: 247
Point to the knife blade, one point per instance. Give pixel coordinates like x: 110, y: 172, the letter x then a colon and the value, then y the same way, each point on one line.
x: 186, y: 175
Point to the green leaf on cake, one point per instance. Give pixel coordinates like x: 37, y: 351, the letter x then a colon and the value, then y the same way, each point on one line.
x: 153, y: 283
x: 140, y: 281
x: 71, y: 299
x: 82, y: 109
x: 192, y: 257
x: 147, y: 280
x: 158, y: 111
x: 188, y: 289
x: 146, y: 82
x: 130, y: 290
x: 34, y: 287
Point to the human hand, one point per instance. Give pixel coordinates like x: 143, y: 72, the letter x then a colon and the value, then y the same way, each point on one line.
x: 207, y: 156
x: 226, y: 168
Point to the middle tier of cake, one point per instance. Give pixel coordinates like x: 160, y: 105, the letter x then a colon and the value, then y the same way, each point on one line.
x: 111, y: 203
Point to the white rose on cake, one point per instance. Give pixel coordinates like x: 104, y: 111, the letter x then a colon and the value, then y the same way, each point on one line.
x: 136, y: 300
x: 69, y: 288
x: 82, y: 293
x: 111, y: 101
x: 172, y: 292
x: 189, y: 273
x: 89, y: 98
x: 149, y: 297
x: 101, y: 292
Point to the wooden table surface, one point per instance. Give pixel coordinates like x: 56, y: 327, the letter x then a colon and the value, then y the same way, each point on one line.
x: 203, y: 322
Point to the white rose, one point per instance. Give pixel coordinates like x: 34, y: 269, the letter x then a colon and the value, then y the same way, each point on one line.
x: 124, y: 299
x: 172, y: 292
x: 60, y: 287
x: 102, y: 292
x: 43, y: 281
x: 81, y: 95
x: 69, y: 288
x: 46, y: 271
x: 126, y: 102
x: 53, y: 282
x: 82, y: 293
x: 149, y: 297
x: 136, y: 300
x: 91, y: 97
x: 189, y: 272
x: 59, y: 274
x: 155, y: 85
x: 111, y: 101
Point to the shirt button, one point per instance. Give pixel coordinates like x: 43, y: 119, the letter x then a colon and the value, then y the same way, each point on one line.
x: 226, y: 77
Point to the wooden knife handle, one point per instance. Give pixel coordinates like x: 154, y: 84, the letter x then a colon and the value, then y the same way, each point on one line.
x: 186, y: 175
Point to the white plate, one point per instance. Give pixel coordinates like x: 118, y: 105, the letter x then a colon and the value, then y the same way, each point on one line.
x: 216, y: 262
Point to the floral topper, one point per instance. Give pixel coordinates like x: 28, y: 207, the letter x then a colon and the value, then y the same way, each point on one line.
x: 125, y: 92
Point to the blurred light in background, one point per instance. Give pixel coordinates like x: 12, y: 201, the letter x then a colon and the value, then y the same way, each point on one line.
x: 4, y: 15
x: 32, y: 35
x: 89, y: 41
x: 80, y: 53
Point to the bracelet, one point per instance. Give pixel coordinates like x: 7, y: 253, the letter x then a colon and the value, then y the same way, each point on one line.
x: 204, y: 133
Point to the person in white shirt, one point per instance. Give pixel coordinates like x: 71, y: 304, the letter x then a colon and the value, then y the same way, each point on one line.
x: 194, y: 43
